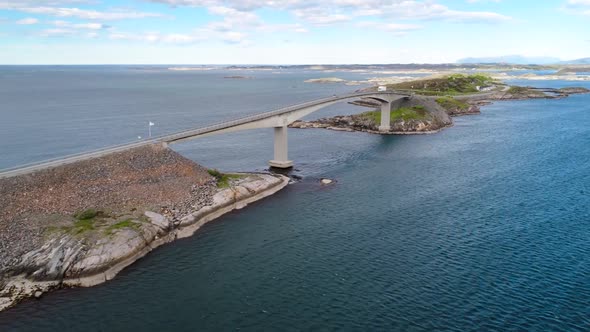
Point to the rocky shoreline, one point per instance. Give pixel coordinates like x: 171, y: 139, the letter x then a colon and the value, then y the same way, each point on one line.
x: 97, y: 244
x: 429, y: 114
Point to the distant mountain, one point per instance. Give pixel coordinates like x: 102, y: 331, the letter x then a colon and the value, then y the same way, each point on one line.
x: 583, y: 61
x: 512, y: 59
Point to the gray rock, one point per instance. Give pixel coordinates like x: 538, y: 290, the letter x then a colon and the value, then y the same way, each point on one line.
x: 158, y: 220
x: 52, y: 260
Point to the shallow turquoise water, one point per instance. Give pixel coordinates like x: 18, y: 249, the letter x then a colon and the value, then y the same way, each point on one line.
x: 482, y: 227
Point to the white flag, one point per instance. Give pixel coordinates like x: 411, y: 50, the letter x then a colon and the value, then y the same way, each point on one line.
x: 152, y: 124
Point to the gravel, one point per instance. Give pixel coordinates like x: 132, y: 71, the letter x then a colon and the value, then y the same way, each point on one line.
x: 146, y: 178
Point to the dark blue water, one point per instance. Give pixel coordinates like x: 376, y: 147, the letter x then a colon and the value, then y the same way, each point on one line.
x: 482, y: 227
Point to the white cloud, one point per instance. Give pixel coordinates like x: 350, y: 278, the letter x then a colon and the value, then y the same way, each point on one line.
x: 428, y: 10
x: 86, y: 13
x: 578, y: 7
x: 157, y: 37
x: 395, y: 28
x: 57, y: 32
x: 295, y: 27
x: 52, y: 8
x: 27, y: 21
x: 232, y: 19
x: 8, y: 4
x: 319, y: 16
x: 578, y: 2
x: 64, y: 29
x: 337, y: 11
x: 87, y: 26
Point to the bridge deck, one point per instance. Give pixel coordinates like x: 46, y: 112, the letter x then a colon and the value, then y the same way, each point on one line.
x: 170, y: 138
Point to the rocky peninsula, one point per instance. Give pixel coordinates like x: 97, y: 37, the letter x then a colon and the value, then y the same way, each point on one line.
x: 433, y: 103
x: 82, y: 223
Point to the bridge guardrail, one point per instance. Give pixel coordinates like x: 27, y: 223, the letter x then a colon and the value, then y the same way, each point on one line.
x: 191, y: 132
x: 258, y: 116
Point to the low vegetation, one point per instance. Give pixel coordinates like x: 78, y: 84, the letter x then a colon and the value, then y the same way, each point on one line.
x: 455, y: 84
x: 95, y: 220
x: 86, y: 214
x: 82, y: 226
x: 403, y: 113
x: 223, y: 179
x: 450, y: 103
x: 127, y: 223
x: 517, y: 90
x: 524, y: 91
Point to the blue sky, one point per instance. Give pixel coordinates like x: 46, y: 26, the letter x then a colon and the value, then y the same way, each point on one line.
x: 288, y: 31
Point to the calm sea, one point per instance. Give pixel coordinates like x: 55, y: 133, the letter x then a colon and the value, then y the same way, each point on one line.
x: 482, y: 227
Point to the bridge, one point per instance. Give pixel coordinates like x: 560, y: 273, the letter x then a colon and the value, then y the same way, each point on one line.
x: 278, y: 119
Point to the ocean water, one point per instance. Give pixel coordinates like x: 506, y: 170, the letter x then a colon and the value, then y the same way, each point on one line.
x: 482, y: 227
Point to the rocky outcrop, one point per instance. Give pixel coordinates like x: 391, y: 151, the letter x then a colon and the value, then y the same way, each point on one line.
x: 523, y: 93
x: 418, y: 115
x: 94, y: 247
x: 459, y: 111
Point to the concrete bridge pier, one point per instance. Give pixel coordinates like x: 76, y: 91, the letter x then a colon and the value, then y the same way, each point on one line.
x: 385, y: 116
x: 281, y: 149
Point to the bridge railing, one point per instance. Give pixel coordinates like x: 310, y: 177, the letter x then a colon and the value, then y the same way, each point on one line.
x: 262, y: 115
x: 193, y: 132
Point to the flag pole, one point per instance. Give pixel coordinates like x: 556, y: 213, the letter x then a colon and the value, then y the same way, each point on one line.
x: 150, y: 124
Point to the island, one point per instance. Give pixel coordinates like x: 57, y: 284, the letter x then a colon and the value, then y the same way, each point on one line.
x: 433, y: 103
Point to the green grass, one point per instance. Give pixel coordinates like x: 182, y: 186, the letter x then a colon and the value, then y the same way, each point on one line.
x: 128, y: 223
x: 225, y: 179
x: 222, y: 178
x: 517, y: 90
x: 82, y: 226
x: 450, y: 103
x: 403, y: 113
x: 455, y: 84
x: 215, y: 173
x: 522, y: 90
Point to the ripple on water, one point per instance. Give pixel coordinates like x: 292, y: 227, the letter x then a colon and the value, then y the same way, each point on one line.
x: 483, y: 227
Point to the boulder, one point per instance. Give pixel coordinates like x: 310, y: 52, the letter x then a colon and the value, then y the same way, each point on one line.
x: 158, y: 220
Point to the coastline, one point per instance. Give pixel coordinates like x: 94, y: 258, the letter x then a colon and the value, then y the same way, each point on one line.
x: 154, y: 234
x: 472, y: 103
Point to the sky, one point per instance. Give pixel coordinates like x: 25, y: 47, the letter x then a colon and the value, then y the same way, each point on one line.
x: 288, y: 31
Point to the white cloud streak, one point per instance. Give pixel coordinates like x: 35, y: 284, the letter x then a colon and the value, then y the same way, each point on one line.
x: 54, y: 8
x: 157, y: 37
x: 395, y: 28
x: 27, y: 21
x: 577, y: 7
x: 86, y: 13
x: 337, y: 11
x: 82, y: 26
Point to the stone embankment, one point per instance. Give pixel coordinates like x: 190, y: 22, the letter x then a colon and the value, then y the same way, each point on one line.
x: 80, y: 224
